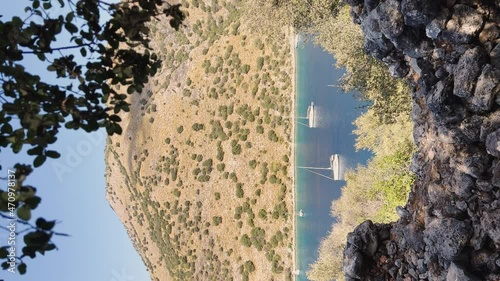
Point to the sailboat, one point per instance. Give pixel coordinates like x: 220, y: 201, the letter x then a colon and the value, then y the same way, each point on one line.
x: 311, y: 116
x: 334, y: 167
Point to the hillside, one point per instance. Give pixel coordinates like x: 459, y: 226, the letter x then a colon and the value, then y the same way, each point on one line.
x: 200, y: 176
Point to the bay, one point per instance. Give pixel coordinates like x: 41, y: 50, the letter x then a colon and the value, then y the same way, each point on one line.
x: 317, y: 81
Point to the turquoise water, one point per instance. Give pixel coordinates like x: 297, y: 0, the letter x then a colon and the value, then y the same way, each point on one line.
x: 335, y: 112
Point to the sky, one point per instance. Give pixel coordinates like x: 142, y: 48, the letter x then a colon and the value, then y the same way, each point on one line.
x: 72, y: 189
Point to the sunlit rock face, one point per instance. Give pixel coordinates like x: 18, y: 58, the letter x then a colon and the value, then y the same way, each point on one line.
x: 450, y: 228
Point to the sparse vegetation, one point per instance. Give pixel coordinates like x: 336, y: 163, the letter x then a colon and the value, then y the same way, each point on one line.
x: 200, y: 147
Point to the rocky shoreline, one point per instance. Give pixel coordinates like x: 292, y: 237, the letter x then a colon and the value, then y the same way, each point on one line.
x: 450, y: 228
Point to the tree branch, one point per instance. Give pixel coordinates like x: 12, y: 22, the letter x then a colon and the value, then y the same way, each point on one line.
x: 57, y: 49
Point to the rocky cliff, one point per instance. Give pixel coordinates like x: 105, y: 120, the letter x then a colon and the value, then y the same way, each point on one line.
x: 450, y: 228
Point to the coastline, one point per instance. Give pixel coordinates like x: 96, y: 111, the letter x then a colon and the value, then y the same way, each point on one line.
x: 294, y: 188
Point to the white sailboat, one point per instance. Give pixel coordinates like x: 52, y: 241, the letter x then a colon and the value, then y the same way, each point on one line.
x: 311, y: 117
x: 334, y: 167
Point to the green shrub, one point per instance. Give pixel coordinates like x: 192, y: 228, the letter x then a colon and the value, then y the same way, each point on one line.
x: 260, y: 63
x: 245, y: 240
x: 239, y: 191
x: 263, y: 214
x: 245, y: 68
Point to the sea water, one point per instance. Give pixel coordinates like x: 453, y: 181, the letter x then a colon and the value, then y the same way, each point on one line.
x: 317, y: 81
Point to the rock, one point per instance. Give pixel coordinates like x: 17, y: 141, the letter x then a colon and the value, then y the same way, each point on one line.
x: 464, y: 25
x: 413, y: 273
x: 493, y: 143
x: 353, y: 263
x: 495, y: 56
x: 474, y: 162
x: 368, y: 233
x: 449, y: 51
x: 378, y: 48
x: 353, y: 2
x: 418, y: 12
x: 490, y: 124
x: 484, y: 185
x: 449, y: 3
x: 447, y: 237
x: 437, y: 97
x: 483, y: 260
x: 425, y: 70
x: 438, y: 24
x: 390, y: 18
x: 462, y: 184
x: 461, y: 205
x: 437, y: 193
x: 412, y: 237
x: 490, y: 223
x: 495, y: 180
x: 468, y: 69
x: 399, y: 69
x: 441, y: 73
x: 412, y: 43
x: 478, y: 238
x: 458, y: 273
x: 371, y: 4
x: 487, y: 88
x: 403, y: 213
x: 392, y: 248
x: 371, y: 27
x: 393, y: 271
x: 490, y: 32
x: 471, y: 128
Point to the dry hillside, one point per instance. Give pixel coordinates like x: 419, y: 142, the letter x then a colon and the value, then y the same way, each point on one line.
x: 201, y: 175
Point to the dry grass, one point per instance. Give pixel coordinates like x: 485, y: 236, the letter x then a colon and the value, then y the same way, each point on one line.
x: 175, y: 243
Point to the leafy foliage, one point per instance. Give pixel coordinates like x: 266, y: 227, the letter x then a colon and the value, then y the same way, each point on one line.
x: 23, y: 199
x: 90, y: 90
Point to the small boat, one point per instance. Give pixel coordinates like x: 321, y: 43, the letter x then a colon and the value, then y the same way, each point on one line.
x: 301, y: 214
x: 334, y: 164
x: 311, y: 116
x: 297, y: 40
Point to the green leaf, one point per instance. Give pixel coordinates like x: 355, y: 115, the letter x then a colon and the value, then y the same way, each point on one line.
x: 39, y: 160
x: 22, y: 268
x: 3, y: 252
x: 45, y: 225
x: 24, y: 213
x: 47, y: 5
x: 117, y: 129
x: 49, y: 247
x: 52, y: 154
x: 71, y: 28
x: 83, y: 51
x: 115, y: 118
x: 33, y: 202
x: 5, y: 265
x: 70, y: 16
x: 6, y: 128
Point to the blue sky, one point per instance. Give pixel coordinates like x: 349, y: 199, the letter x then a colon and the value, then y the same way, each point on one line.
x: 73, y: 192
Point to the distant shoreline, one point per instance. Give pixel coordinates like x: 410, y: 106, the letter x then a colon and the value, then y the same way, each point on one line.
x: 294, y: 203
